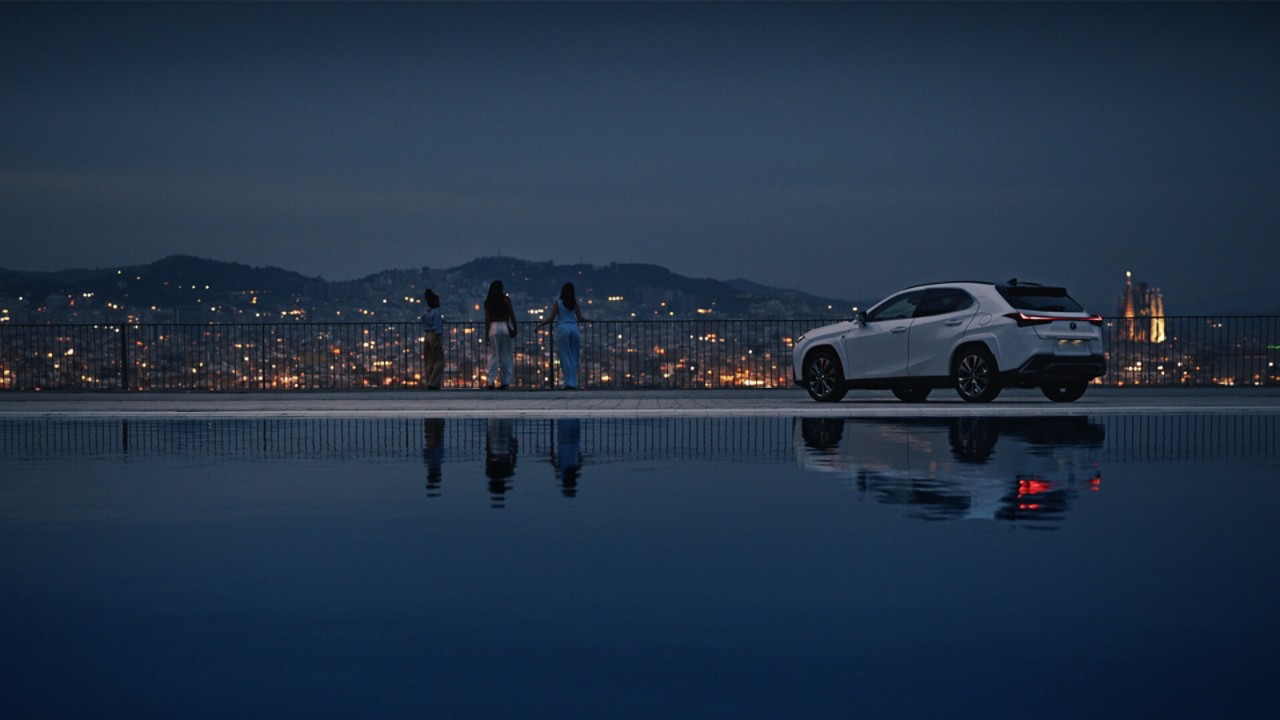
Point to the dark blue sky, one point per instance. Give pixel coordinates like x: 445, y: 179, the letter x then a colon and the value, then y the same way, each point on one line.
x: 845, y: 149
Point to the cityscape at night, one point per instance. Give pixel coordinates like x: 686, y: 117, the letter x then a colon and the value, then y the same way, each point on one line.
x: 92, y: 343
x: 863, y: 357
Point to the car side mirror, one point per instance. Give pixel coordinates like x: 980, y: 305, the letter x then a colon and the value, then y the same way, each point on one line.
x: 860, y: 317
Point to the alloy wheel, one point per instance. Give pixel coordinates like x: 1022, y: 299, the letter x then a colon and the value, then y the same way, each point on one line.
x: 975, y: 377
x: 822, y: 378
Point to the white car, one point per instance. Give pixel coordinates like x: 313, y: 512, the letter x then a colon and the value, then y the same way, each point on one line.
x: 977, y: 337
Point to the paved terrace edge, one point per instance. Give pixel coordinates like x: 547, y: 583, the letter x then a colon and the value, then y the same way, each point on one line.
x: 619, y: 404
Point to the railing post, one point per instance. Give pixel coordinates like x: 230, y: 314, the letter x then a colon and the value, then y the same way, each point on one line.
x: 124, y: 356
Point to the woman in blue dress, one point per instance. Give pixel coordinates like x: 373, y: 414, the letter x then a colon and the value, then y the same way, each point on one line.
x: 566, y: 314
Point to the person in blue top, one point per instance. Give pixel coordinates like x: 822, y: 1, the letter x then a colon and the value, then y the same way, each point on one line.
x: 566, y: 314
x: 432, y: 342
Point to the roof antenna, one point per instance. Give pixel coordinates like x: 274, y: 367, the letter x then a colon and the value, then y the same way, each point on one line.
x: 1013, y: 282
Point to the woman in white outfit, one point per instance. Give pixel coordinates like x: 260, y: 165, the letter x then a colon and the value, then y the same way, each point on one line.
x: 499, y: 328
x: 566, y: 314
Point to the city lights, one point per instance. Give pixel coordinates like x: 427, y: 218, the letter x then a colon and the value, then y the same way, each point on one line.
x: 1143, y: 348
x: 620, y: 354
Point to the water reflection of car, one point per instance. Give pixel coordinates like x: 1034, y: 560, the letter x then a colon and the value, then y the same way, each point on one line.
x: 972, y: 336
x: 949, y: 468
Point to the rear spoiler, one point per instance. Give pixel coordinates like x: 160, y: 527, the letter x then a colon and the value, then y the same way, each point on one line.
x: 1034, y: 290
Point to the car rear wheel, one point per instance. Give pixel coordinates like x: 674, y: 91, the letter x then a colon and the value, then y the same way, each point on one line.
x: 823, y: 377
x: 974, y: 375
x: 1068, y: 391
x: 911, y: 393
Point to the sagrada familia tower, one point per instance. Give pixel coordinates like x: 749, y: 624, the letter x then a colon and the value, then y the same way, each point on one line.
x: 1142, y: 312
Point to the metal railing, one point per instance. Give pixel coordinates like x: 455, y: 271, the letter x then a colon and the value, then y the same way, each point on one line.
x: 649, y: 354
x: 1195, y: 351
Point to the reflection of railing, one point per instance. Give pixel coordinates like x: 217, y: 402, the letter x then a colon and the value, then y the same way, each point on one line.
x: 1117, y: 439
x: 674, y: 354
x: 601, y: 440
x: 1133, y: 438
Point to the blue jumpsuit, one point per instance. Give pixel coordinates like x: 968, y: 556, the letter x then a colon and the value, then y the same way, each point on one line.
x: 568, y: 343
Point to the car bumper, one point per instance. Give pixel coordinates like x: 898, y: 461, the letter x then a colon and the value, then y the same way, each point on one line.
x: 1040, y: 368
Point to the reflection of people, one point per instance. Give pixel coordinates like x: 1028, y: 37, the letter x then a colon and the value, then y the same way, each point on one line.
x: 432, y: 342
x: 433, y: 453
x: 567, y: 459
x: 499, y: 328
x: 566, y: 314
x: 499, y: 458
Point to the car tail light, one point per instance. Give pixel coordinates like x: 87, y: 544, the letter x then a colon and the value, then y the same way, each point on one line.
x: 1025, y: 320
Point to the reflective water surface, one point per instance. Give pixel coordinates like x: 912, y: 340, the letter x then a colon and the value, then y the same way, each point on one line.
x: 994, y: 567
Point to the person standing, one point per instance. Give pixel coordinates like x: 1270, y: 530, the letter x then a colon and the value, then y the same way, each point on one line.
x: 432, y: 342
x: 499, y: 328
x: 567, y: 314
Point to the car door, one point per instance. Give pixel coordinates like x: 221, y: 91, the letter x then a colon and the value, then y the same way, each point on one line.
x: 878, y: 348
x: 941, y: 317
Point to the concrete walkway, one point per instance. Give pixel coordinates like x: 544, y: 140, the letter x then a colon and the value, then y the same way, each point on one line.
x: 631, y: 403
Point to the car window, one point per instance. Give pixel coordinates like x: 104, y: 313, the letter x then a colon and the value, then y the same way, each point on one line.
x: 940, y: 301
x: 896, y: 308
x: 1039, y: 297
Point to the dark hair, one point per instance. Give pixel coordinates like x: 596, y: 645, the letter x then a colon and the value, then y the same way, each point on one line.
x: 433, y: 300
x: 568, y: 297
x: 495, y: 303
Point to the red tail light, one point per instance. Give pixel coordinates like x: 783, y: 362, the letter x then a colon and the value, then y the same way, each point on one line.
x: 1025, y: 320
x: 1033, y: 486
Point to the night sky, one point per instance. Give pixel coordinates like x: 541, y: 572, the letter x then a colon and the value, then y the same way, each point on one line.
x: 842, y: 149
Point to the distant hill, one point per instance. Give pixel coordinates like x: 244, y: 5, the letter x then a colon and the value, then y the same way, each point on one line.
x: 637, y: 282
x: 170, y: 282
x: 620, y: 289
x: 766, y: 290
x: 631, y: 283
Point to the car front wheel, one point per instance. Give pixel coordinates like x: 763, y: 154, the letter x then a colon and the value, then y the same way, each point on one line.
x: 1068, y: 391
x: 823, y: 377
x: 975, y: 376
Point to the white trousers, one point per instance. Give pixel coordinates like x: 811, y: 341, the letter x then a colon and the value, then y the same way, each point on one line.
x: 501, y: 367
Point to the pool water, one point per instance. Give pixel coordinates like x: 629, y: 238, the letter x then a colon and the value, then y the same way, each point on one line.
x: 1012, y: 567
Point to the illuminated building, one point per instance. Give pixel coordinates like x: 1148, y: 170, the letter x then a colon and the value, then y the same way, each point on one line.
x: 1142, y: 312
